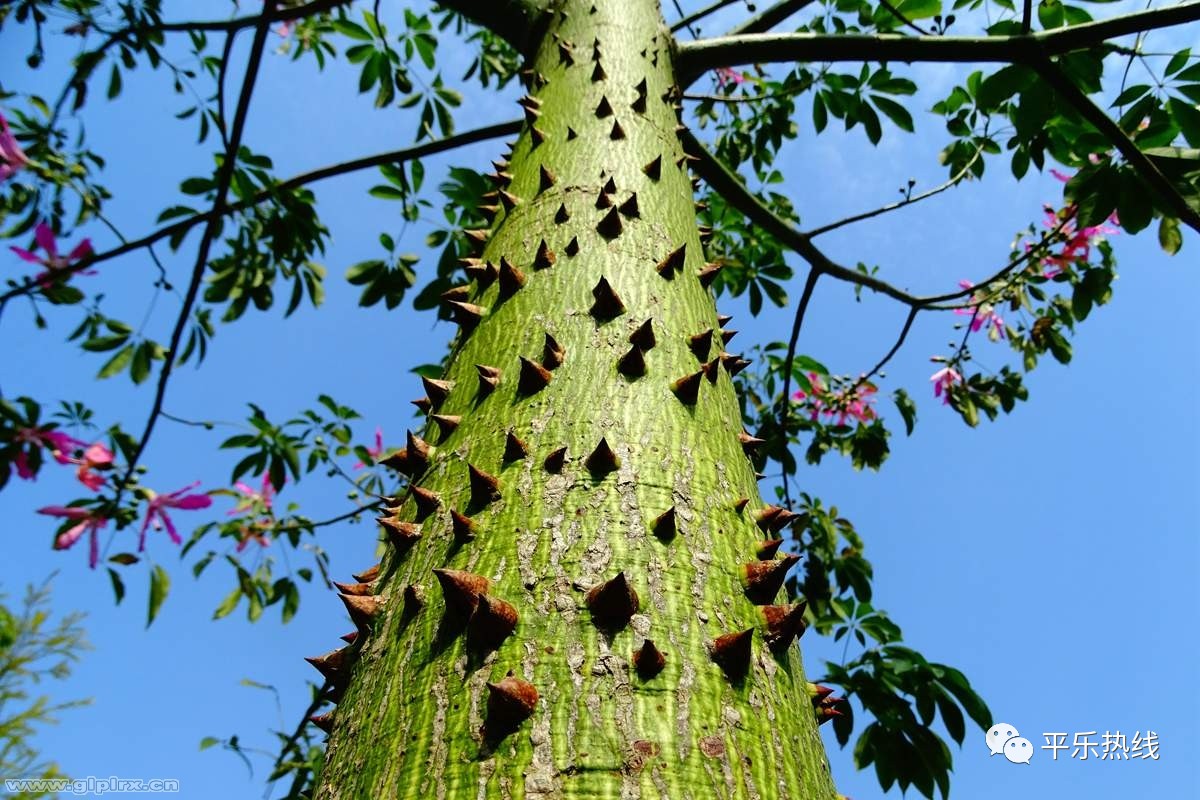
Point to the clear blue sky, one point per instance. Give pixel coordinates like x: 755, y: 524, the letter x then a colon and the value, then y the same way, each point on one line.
x: 1052, y: 555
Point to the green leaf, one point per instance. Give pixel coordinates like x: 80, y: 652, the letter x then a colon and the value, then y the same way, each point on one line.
x: 160, y: 584
x: 907, y: 409
x: 920, y: 9
x: 118, y: 585
x: 114, y: 82
x: 139, y: 370
x: 209, y: 741
x: 897, y: 113
x: 117, y: 363
x: 228, y: 604
x: 351, y: 29
x: 1187, y: 118
x: 1051, y: 14
x: 1169, y: 236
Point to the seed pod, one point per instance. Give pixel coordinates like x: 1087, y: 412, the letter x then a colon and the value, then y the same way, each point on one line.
x: 673, y: 261
x: 648, y: 660
x: 572, y: 247
x: 544, y: 258
x: 612, y: 603
x: 709, y: 274
x: 607, y: 303
x: 784, y: 623
x: 767, y: 549
x: 750, y: 443
x: 464, y: 527
x: 630, y: 207
x: 401, y: 535
x: 665, y: 525
x: 610, y: 226
x: 360, y: 589
x: 511, y: 701
x: 764, y: 579
x: 362, y: 609
x: 602, y: 460
x: 511, y: 279
x: 485, y: 488
x: 514, y: 448
x: 604, y: 109
x: 494, y: 621
x: 461, y: 589
x: 426, y: 502
x: 446, y: 424
x: 546, y: 178
x: 653, y: 170
x: 323, y: 721
x: 553, y: 353
x: 731, y: 652
x: 687, y: 388
x: 701, y: 344
x: 367, y: 575
x: 331, y: 665
x: 534, y: 377
x: 633, y: 363
x: 556, y: 460
x: 437, y: 391
x: 643, y: 337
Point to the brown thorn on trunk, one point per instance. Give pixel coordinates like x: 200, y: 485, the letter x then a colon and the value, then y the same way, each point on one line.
x: 612, y: 603
x: 478, y: 236
x: 414, y: 601
x: 562, y: 215
x: 363, y: 610
x: 423, y: 404
x: 665, y: 525
x: 511, y: 279
x: 731, y: 652
x: 456, y: 293
x: 610, y: 187
x: 610, y: 226
x: 511, y: 701
x: 463, y: 527
x: 564, y: 54
x: 485, y: 488
x: 528, y: 100
x: 331, y: 665
x: 484, y: 274
x: 367, y: 575
x: 546, y: 178
x: 740, y: 504
x: 401, y: 535
x: 446, y: 424
x: 648, y: 660
x: 774, y: 518
x: 467, y: 315
x: 571, y: 134
x: 419, y: 452
x: 531, y: 114
x: 607, y: 303
x: 643, y: 337
x: 750, y: 443
x: 617, y: 132
x: 509, y: 200
x: 555, y: 461
x: 765, y: 578
x: 598, y: 74
x: 630, y: 207
x: 553, y: 353
x: 724, y: 319
x: 536, y: 136
x: 426, y: 502
x: 784, y: 623
x: 544, y: 258
x: 711, y: 370
x: 514, y: 448
x: 360, y: 589
x: 534, y: 377
x: 633, y: 363
x: 494, y: 621
x: 767, y: 549
x: 489, y: 379
x: 727, y: 335
x: 673, y: 262
x: 653, y: 170
x: 349, y: 638
x: 701, y: 344
x: 323, y: 721
x: 604, y: 201
x: 709, y: 274
x: 604, y: 109
x: 572, y: 247
x: 687, y: 388
x: 602, y: 460
x: 461, y: 589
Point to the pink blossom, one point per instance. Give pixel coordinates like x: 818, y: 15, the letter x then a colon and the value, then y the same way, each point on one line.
x: 59, y: 444
x: 12, y: 157
x: 89, y: 521
x: 52, y: 261
x: 982, y: 314
x: 156, y: 511
x: 285, y: 29
x: 943, y: 380
x: 254, y: 533
x: 374, y: 452
x: 1076, y: 244
x: 253, y: 499
x: 95, y: 457
x: 850, y: 403
x: 726, y: 76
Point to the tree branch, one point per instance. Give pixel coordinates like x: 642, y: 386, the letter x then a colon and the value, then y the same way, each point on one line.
x: 366, y: 162
x: 770, y: 17
x: 908, y: 323
x: 785, y: 403
x: 701, y: 14
x: 224, y: 180
x: 697, y: 57
x: 1052, y: 74
x: 521, y: 23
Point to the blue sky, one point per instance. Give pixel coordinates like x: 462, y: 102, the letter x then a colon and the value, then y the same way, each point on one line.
x: 1051, y: 555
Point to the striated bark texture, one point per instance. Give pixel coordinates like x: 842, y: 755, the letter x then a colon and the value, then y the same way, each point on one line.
x: 652, y: 487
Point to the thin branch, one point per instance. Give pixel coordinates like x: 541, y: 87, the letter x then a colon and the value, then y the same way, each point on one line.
x: 303, y: 179
x: 305, y: 526
x: 224, y: 180
x: 908, y: 23
x: 770, y: 17
x: 1027, y: 16
x: 1147, y: 169
x: 679, y: 11
x: 908, y: 323
x: 697, y: 57
x: 320, y: 698
x: 908, y: 201
x: 785, y: 405
x: 689, y: 20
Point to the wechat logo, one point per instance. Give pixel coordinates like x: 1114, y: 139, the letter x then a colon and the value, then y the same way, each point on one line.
x: 1003, y: 738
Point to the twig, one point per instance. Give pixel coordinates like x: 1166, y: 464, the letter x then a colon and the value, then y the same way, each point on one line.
x: 908, y: 323
x: 785, y: 403
x: 768, y: 18
x: 687, y: 21
x: 908, y: 23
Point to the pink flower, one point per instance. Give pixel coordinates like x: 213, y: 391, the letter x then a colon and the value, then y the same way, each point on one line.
x: 52, y: 261
x: 253, y: 499
x: 12, y: 157
x: 726, y: 76
x: 95, y: 457
x: 375, y: 452
x: 254, y: 533
x: 89, y: 521
x: 156, y: 511
x: 943, y: 380
x: 982, y: 314
x: 1076, y: 245
x: 59, y: 444
x: 284, y: 30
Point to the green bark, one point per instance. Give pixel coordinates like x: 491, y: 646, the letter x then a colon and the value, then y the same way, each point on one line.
x: 409, y: 724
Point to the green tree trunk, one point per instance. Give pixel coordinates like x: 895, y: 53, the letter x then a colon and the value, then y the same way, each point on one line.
x: 653, y: 487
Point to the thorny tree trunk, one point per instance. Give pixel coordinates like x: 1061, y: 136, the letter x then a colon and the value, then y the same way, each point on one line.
x: 653, y: 487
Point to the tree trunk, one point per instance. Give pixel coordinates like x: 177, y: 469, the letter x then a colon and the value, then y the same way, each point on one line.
x: 652, y: 487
